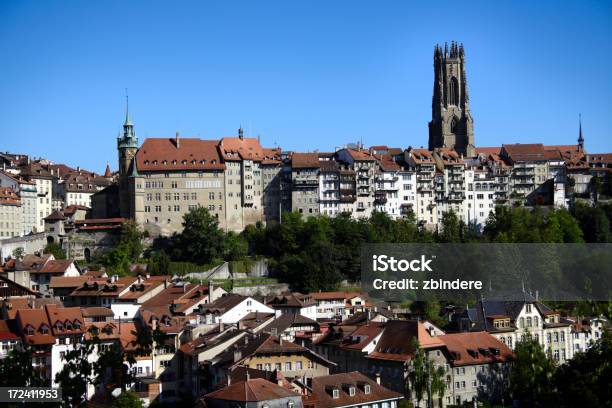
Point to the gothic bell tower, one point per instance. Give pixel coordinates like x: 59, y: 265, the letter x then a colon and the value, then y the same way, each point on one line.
x: 451, y: 123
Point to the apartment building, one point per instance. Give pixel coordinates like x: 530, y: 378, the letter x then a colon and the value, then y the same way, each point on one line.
x: 364, y: 164
x: 424, y: 165
x: 529, y: 167
x: 11, y: 213
x: 28, y: 197
x: 388, y: 194
x: 272, y: 173
x: 244, y: 184
x: 329, y: 188
x: 305, y: 170
x: 43, y: 180
x: 481, y: 188
x: 449, y: 183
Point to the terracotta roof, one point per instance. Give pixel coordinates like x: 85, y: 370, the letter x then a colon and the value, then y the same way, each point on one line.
x: 422, y: 156
x: 287, y: 320
x: 333, y: 295
x: 396, y: 340
x: 37, y: 320
x: 236, y: 148
x: 7, y: 332
x: 68, y: 281
x: 8, y: 196
x: 362, y: 336
x: 163, y: 154
x: 223, y: 304
x: 387, y: 164
x: 563, y: 148
x: 79, y: 181
x: 449, y: 156
x: 63, y: 318
x: 305, y: 160
x: 271, y: 156
x: 360, y: 155
x: 96, y: 311
x: 55, y: 266
x: 291, y: 299
x: 488, y: 150
x: 524, y: 152
x: 55, y: 216
x: 322, y: 390
x: 475, y: 348
x: 181, y: 295
x: 253, y: 390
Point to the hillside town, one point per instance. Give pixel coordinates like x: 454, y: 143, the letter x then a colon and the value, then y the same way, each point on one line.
x: 193, y: 339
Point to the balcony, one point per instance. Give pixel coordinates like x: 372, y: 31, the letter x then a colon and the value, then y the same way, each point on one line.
x: 306, y: 182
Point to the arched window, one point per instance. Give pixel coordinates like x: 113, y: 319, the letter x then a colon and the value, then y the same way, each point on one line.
x: 453, y: 126
x: 454, y: 92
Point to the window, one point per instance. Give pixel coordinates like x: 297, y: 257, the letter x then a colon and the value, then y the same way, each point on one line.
x: 336, y: 394
x: 288, y: 366
x: 352, y: 391
x: 298, y: 365
x: 367, y: 388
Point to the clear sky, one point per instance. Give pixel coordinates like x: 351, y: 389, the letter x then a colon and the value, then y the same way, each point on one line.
x: 302, y: 74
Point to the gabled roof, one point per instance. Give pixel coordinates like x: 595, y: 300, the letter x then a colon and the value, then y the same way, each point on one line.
x: 36, y: 319
x: 68, y: 281
x: 223, y: 304
x: 305, y: 161
x: 165, y: 154
x: 254, y: 390
x: 287, y: 320
x: 524, y: 152
x: 475, y: 348
x: 55, y: 266
x: 322, y: 390
x: 236, y: 148
x: 396, y: 340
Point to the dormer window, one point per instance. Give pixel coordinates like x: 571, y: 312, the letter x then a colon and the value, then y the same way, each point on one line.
x: 164, y: 162
x: 44, y: 329
x: 352, y: 391
x: 174, y: 162
x: 77, y: 325
x: 184, y: 162
x: 68, y: 326
x: 154, y: 161
x: 335, y: 394
x: 29, y: 330
x: 367, y: 389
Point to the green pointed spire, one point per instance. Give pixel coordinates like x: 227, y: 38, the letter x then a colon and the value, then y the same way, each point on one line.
x: 128, y: 119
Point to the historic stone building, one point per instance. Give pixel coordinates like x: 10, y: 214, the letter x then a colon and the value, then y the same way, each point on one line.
x: 451, y: 123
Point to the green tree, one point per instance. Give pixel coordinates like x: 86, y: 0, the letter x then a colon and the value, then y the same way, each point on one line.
x: 127, y: 400
x: 159, y: 263
x: 201, y: 240
x: 531, y: 377
x: 131, y: 239
x: 56, y: 250
x: 17, y: 370
x: 417, y: 385
x: 18, y: 253
x: 584, y: 381
x: 236, y: 247
x: 76, y: 374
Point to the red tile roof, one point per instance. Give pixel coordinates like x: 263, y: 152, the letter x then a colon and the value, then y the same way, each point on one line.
x: 305, y: 160
x: 253, y: 390
x: 163, y: 154
x: 475, y: 348
x: 524, y: 152
x: 8, y: 196
x: 55, y: 266
x: 236, y: 148
x: 322, y: 389
x: 488, y: 150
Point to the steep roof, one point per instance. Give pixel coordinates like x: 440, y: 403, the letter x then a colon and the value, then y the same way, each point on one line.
x: 237, y: 148
x: 322, y: 386
x: 253, y: 390
x: 524, y: 152
x: 396, y: 340
x: 55, y: 266
x: 475, y: 348
x: 305, y: 161
x: 165, y: 154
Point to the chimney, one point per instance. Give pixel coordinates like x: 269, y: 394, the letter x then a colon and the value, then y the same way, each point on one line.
x: 221, y: 326
x: 378, y: 378
x: 210, y: 291
x: 177, y: 140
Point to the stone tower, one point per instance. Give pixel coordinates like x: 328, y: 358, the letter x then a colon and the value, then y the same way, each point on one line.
x: 451, y: 123
x: 127, y: 146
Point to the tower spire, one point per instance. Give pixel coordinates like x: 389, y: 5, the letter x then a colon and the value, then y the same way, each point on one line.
x: 580, y: 137
x: 128, y: 119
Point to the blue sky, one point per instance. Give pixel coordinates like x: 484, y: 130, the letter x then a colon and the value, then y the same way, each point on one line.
x: 302, y: 74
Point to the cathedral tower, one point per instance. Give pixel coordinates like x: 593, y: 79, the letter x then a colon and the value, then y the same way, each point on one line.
x: 451, y: 123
